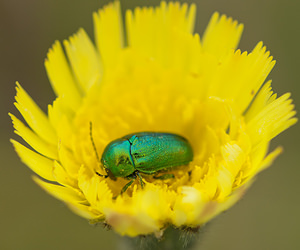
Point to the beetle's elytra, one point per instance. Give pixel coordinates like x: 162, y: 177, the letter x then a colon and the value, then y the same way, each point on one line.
x: 145, y: 152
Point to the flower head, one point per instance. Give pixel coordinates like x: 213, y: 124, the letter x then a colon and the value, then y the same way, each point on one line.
x: 162, y: 78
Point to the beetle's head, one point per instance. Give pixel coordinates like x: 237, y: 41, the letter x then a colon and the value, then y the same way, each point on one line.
x: 117, y: 160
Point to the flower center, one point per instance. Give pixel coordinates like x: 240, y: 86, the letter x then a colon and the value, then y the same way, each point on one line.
x: 146, y: 97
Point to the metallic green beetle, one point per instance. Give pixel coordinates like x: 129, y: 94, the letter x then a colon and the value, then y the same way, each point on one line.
x: 145, y: 152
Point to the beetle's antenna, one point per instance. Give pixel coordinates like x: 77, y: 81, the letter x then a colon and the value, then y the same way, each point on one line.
x: 93, y: 143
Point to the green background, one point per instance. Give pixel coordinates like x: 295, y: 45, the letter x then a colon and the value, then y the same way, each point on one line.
x: 266, y: 218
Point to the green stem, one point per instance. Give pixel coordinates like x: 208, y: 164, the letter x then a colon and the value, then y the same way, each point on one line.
x: 173, y: 239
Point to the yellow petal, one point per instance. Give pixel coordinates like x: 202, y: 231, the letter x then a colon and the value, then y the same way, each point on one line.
x: 142, y: 214
x: 61, y: 192
x: 34, y: 116
x: 33, y: 139
x: 57, y: 112
x: 161, y: 32
x: 131, y: 225
x: 189, y: 205
x: 275, y: 117
x: 62, y: 177
x: 221, y: 35
x: 93, y: 189
x: 109, y: 38
x: 270, y: 158
x: 61, y: 77
x: 36, y: 162
x: 243, y: 75
x: 264, y: 96
x: 68, y: 162
x: 84, y: 59
x: 86, y: 212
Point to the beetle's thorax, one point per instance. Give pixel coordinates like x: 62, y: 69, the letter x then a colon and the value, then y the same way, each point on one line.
x: 117, y: 158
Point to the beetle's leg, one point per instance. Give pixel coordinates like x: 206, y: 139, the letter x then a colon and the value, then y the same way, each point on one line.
x: 141, y: 180
x: 105, y: 176
x: 164, y: 176
x: 127, y: 185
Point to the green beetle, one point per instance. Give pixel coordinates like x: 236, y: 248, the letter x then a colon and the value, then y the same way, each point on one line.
x: 144, y: 152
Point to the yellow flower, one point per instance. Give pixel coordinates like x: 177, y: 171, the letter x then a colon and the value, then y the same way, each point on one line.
x: 163, y: 77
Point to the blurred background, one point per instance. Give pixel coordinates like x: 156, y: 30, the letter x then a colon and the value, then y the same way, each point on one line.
x: 266, y: 218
